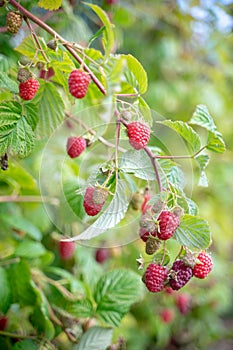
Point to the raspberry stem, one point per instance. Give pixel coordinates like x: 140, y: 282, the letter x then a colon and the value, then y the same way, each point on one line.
x: 64, y: 42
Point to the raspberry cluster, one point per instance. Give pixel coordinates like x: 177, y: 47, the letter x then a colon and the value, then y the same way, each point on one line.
x: 13, y: 22
x: 159, y: 224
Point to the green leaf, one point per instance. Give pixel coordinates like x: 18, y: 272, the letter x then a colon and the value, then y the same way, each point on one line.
x: 96, y: 35
x: 186, y: 132
x: 25, y: 345
x: 20, y: 281
x: 145, y: 110
x: 74, y: 200
x: 5, y: 292
x: 201, y: 117
x: 203, y: 161
x: 215, y: 142
x: 108, y: 35
x: 15, y: 132
x: 137, y: 163
x: 30, y: 112
x: 22, y: 224
x: 8, y: 83
x: 30, y: 249
x: 115, y: 292
x: 113, y: 214
x: 27, y: 48
x: 138, y: 72
x: 51, y: 109
x: 193, y: 232
x: 50, y: 4
x: 80, y: 309
x: 95, y: 338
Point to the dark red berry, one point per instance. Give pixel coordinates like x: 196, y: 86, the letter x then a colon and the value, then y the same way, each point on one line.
x: 66, y: 249
x: 46, y: 74
x: 139, y: 134
x: 75, y: 146
x: 183, y: 302
x: 168, y: 223
x: 180, y: 274
x: 92, y: 207
x: 167, y: 315
x: 101, y: 255
x: 3, y: 323
x: 145, y: 234
x: 155, y: 277
x: 28, y: 89
x: 78, y: 83
x: 204, y: 267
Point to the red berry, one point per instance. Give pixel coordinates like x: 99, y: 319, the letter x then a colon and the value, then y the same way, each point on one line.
x: 202, y: 269
x: 3, y: 323
x: 46, y: 74
x: 180, y: 274
x: 28, y: 89
x: 78, y: 83
x: 92, y: 207
x: 139, y: 135
x: 75, y: 146
x: 66, y: 249
x: 183, y: 303
x: 168, y: 290
x: 145, y: 234
x: 155, y: 277
x: 167, y: 315
x: 101, y: 255
x: 168, y: 223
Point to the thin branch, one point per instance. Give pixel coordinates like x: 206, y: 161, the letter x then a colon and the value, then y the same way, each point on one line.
x: 64, y: 42
x: 181, y: 157
x: 29, y: 199
x: 36, y: 39
x: 16, y: 335
x: 118, y: 130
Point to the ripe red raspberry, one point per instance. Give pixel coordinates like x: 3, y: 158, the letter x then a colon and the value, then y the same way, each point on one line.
x: 101, y: 255
x: 183, y: 303
x: 75, y: 146
x: 202, y: 269
x: 167, y: 315
x: 78, y: 83
x: 168, y: 223
x: 139, y: 134
x: 3, y: 323
x: 91, y: 206
x: 28, y: 89
x: 66, y: 249
x: 155, y: 277
x: 180, y: 274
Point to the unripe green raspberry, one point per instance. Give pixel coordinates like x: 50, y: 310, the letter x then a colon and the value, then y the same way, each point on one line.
x: 23, y: 75
x: 13, y: 22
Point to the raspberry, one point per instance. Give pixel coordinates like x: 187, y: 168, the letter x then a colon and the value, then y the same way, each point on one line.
x: 168, y: 223
x: 183, y: 303
x: 155, y: 277
x: 75, y: 146
x: 202, y: 269
x: 13, y: 22
x: 92, y: 208
x: 138, y: 134
x: 3, y: 323
x: 23, y: 75
x: 145, y: 234
x: 167, y: 315
x: 101, y: 255
x: 78, y: 83
x: 180, y: 274
x: 152, y: 245
x: 147, y: 222
x: 28, y: 89
x: 100, y: 196
x: 46, y: 74
x: 66, y: 249
x: 52, y: 44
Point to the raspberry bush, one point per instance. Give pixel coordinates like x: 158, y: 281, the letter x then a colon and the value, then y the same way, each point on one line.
x: 118, y: 181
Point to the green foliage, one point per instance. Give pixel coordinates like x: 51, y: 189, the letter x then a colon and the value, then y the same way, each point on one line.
x: 96, y: 338
x: 5, y: 292
x: 50, y: 5
x: 115, y: 293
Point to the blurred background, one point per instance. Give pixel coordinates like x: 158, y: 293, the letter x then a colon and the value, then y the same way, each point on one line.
x: 186, y: 47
